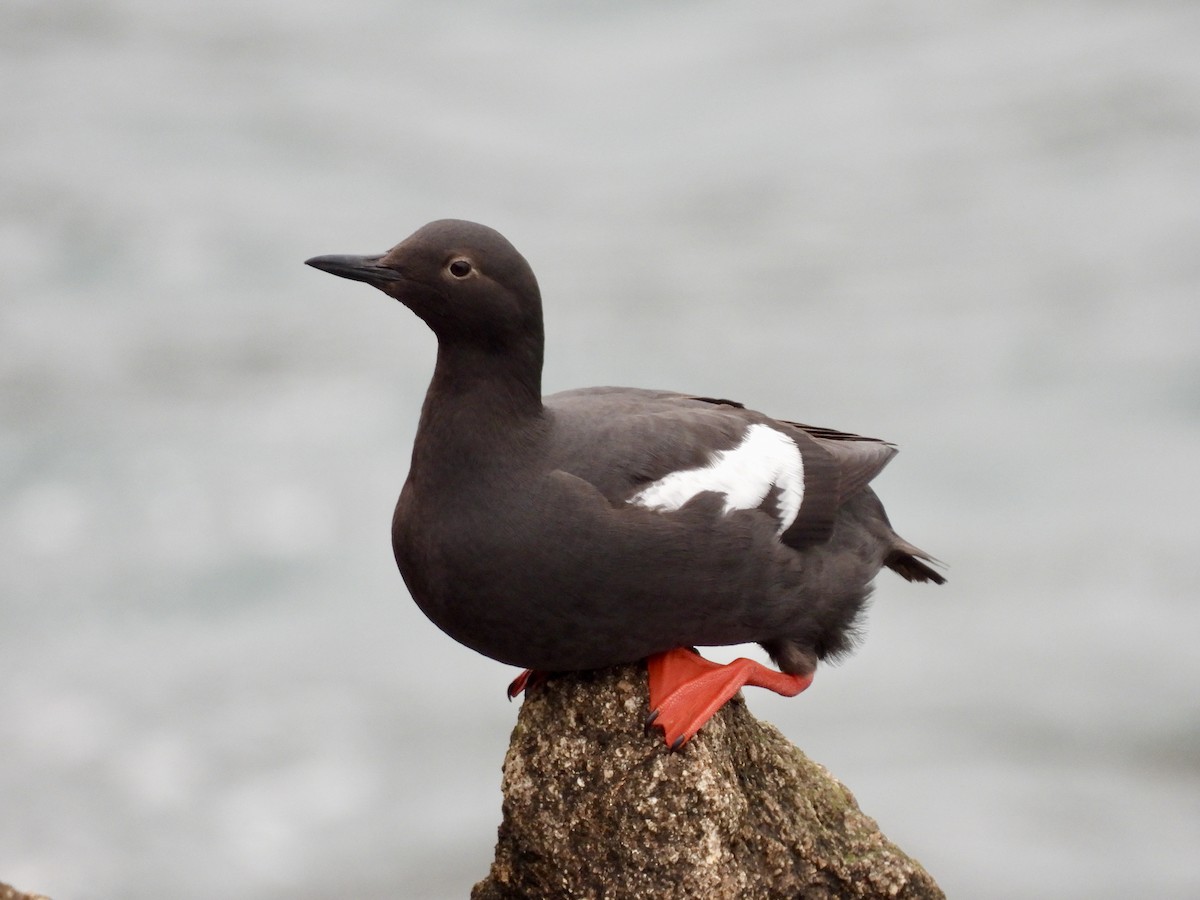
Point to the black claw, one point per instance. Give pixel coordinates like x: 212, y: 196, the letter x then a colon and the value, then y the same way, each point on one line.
x: 649, y: 723
x: 677, y: 743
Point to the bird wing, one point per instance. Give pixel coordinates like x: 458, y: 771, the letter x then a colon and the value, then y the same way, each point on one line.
x: 651, y: 447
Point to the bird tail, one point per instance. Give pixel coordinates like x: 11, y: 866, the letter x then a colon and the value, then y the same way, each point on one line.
x: 910, y: 563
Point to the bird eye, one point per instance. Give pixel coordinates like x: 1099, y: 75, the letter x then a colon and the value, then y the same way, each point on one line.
x: 460, y: 268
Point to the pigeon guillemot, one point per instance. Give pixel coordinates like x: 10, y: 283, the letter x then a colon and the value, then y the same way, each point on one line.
x: 609, y: 525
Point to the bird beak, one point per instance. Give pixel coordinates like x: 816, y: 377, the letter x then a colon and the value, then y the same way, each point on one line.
x: 357, y: 268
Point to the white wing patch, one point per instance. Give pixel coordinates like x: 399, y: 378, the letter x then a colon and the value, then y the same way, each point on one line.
x: 764, y: 459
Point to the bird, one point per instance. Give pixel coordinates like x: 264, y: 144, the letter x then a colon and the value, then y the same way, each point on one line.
x: 609, y: 525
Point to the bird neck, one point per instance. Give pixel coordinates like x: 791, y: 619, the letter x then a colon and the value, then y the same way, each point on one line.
x: 479, y: 403
x: 504, y: 378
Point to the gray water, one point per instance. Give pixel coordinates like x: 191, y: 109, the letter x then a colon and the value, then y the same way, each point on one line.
x: 970, y: 228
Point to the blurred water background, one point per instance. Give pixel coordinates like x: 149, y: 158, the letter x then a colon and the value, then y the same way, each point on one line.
x: 970, y: 228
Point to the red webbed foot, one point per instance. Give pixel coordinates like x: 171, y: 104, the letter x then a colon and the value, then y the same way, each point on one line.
x: 686, y: 690
x: 528, y: 679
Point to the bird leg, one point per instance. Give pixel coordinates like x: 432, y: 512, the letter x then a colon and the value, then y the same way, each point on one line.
x: 686, y: 689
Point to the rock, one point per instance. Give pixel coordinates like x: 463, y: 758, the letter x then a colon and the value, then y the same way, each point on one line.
x: 8, y: 892
x: 593, y: 807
